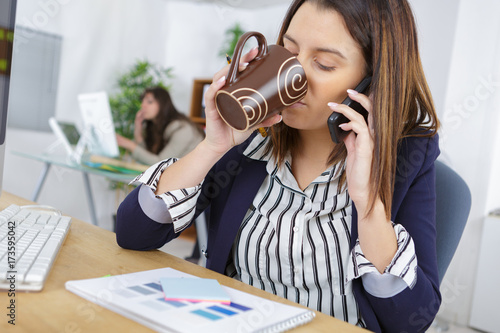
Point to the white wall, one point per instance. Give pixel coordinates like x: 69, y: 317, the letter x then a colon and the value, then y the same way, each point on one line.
x: 460, y: 49
x: 100, y: 40
x: 436, y: 24
x: 196, y: 35
x: 469, y: 138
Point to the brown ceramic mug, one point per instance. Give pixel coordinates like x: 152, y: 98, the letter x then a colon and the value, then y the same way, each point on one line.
x: 273, y: 80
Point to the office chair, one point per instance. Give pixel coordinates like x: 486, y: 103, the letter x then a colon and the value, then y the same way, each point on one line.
x: 453, y: 202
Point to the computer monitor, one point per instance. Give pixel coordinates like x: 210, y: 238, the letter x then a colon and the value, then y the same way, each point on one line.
x: 7, y: 23
x: 98, y: 124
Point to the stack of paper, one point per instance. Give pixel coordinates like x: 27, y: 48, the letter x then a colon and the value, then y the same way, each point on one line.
x: 139, y: 296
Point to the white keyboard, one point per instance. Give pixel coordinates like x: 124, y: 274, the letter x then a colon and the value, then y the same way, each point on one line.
x: 30, y: 240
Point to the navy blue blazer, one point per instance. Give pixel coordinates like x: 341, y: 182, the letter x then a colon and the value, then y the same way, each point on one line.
x: 230, y: 188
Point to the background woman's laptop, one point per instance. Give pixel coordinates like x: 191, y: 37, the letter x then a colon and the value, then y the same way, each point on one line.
x: 67, y: 133
x: 98, y: 135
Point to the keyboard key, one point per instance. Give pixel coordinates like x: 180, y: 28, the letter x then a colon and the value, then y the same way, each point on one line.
x: 53, y: 220
x: 49, y: 250
x: 63, y: 224
x: 43, y: 219
x: 36, y: 227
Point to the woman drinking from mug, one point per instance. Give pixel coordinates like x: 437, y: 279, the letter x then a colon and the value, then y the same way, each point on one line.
x: 347, y: 229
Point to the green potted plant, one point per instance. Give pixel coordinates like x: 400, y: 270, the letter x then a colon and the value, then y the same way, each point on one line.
x: 232, y: 34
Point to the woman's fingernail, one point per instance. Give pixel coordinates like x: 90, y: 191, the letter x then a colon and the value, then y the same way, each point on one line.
x: 332, y: 104
x: 244, y: 64
x: 222, y: 79
x: 352, y: 92
x: 343, y: 125
x: 254, y: 48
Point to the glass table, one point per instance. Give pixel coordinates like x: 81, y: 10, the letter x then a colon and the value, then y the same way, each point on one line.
x: 66, y: 162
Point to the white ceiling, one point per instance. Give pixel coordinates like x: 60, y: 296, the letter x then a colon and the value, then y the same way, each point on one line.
x: 251, y: 4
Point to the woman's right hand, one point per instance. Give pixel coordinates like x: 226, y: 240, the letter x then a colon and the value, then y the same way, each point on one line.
x: 192, y: 169
x: 219, y: 136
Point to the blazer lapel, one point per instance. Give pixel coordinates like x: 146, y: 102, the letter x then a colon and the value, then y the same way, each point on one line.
x: 245, y: 186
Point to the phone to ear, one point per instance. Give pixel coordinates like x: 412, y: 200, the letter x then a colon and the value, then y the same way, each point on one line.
x: 335, y: 119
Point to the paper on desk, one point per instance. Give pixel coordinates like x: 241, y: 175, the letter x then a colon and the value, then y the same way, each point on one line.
x: 139, y: 296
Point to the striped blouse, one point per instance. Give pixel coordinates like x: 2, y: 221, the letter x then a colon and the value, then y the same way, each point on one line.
x: 296, y: 243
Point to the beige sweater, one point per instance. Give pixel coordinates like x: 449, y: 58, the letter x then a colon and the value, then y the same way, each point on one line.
x: 182, y: 138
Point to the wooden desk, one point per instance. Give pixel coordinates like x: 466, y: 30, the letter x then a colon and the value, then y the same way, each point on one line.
x: 89, y: 252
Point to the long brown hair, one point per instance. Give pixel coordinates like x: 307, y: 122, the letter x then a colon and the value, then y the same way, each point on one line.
x: 154, y: 130
x: 402, y: 103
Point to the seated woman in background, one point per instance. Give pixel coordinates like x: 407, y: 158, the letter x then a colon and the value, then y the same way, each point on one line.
x: 160, y: 130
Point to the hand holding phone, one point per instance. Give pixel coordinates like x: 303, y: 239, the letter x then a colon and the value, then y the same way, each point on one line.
x: 336, y: 118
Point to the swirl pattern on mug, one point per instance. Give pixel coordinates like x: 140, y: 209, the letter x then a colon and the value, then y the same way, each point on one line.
x: 254, y: 104
x: 292, y: 82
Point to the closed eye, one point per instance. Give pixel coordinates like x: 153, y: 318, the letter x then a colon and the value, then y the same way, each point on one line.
x: 325, y: 68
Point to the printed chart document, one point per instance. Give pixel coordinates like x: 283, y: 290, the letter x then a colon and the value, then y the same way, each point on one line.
x: 139, y: 296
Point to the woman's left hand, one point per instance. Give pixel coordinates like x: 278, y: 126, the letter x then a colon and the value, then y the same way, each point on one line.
x: 359, y: 143
x: 375, y: 232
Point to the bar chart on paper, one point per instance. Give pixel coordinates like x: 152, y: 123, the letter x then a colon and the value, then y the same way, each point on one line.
x: 150, y: 296
x: 139, y: 296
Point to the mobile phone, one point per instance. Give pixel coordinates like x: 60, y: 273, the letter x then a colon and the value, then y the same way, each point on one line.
x: 335, y: 119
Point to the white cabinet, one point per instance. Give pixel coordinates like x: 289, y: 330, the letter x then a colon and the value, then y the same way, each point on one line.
x: 485, y: 314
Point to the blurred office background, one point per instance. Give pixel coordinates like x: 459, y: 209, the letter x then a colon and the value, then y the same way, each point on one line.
x: 93, y: 41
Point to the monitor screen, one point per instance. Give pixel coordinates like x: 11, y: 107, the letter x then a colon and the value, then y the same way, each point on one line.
x: 70, y: 132
x: 7, y: 23
x: 98, y: 123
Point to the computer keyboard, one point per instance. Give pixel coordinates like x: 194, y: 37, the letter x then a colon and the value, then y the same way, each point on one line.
x: 30, y: 240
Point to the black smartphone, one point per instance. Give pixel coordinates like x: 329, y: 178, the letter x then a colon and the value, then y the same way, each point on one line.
x: 335, y: 119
